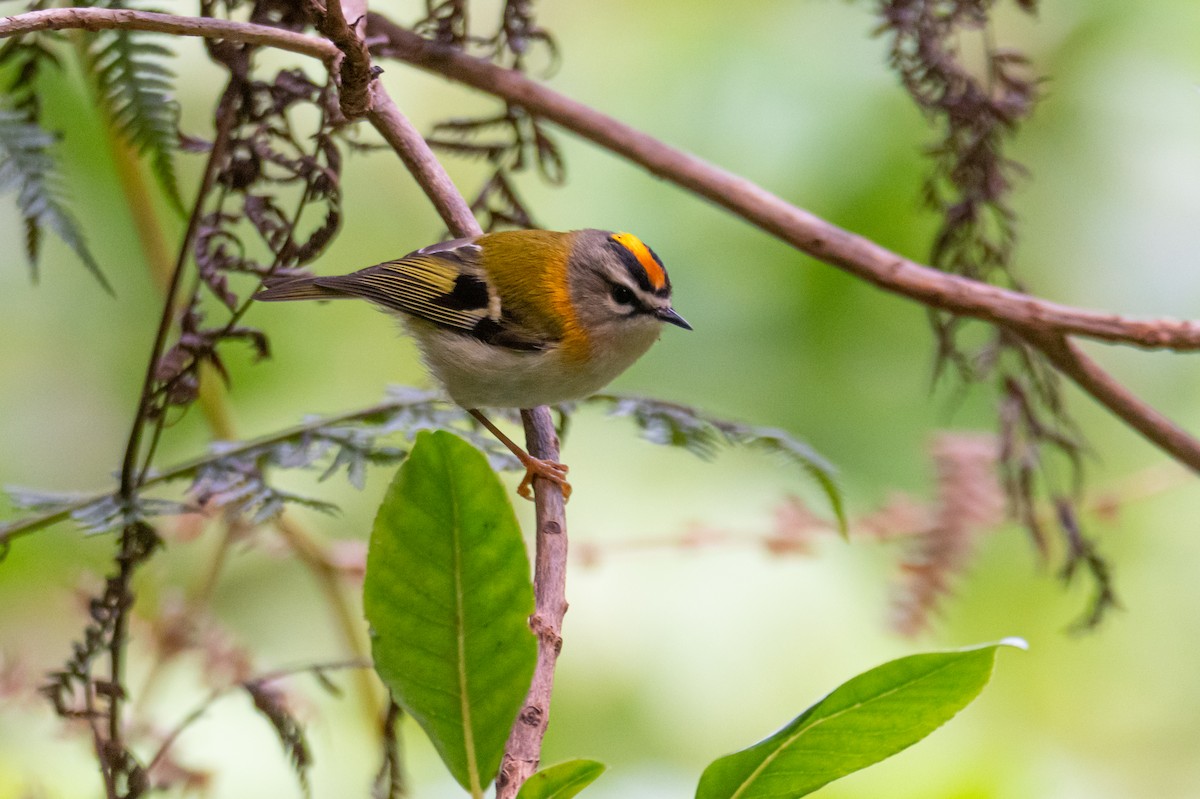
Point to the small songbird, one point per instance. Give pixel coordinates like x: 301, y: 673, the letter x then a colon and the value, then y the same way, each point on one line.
x: 518, y: 318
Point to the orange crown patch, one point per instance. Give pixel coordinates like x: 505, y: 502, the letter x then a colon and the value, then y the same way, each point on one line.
x: 645, y: 257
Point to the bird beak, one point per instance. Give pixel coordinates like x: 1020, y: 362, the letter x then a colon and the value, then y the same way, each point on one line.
x: 668, y: 315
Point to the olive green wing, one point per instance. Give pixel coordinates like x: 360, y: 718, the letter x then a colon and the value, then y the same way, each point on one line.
x: 443, y: 284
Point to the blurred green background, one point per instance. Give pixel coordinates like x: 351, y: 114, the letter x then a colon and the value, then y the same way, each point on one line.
x: 675, y: 656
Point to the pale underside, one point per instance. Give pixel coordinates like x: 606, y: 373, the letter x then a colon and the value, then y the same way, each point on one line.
x: 477, y: 374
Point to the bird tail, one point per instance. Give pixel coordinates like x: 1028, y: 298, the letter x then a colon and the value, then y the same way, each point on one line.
x: 296, y: 288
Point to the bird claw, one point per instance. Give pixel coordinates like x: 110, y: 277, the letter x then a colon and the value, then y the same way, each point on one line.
x: 549, y: 470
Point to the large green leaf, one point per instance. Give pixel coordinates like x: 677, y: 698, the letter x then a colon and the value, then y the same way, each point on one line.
x: 561, y: 781
x: 448, y: 596
x: 869, y: 718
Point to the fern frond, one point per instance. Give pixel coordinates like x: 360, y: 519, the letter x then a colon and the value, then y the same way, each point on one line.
x: 234, y: 477
x: 271, y: 702
x: 23, y: 59
x: 669, y: 424
x: 27, y: 168
x: 798, y: 452
x: 137, y: 90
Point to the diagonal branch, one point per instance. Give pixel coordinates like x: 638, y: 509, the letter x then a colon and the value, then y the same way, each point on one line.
x: 805, y: 231
x: 1069, y: 359
x: 408, y: 143
x: 821, y: 239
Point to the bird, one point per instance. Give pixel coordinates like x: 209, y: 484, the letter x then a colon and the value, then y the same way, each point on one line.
x: 516, y: 318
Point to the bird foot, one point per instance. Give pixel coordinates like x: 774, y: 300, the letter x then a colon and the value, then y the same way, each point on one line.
x: 549, y: 470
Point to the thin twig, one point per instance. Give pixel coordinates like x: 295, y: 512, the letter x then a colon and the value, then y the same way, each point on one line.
x: 129, y: 471
x: 1112, y: 394
x: 132, y: 548
x: 315, y: 556
x: 189, y: 467
x: 201, y: 708
x: 389, y: 780
x: 99, y: 19
x: 187, y: 721
x: 524, y: 748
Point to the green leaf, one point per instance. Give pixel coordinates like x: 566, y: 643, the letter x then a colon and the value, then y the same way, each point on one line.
x: 448, y: 596
x: 561, y: 781
x: 869, y: 718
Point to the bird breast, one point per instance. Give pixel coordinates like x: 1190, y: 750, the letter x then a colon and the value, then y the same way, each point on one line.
x: 480, y: 375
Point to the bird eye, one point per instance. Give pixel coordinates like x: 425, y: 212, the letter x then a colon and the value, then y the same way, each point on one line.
x: 622, y: 295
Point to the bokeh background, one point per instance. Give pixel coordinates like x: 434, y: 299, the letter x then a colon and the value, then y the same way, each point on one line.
x: 675, y: 655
